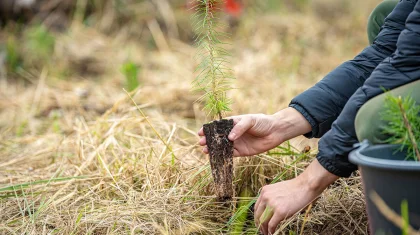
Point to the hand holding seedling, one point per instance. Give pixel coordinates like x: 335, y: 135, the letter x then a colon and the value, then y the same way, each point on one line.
x: 213, y: 80
x: 256, y: 133
x: 252, y: 134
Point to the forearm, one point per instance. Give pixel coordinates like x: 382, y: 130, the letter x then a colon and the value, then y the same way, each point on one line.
x: 290, y: 123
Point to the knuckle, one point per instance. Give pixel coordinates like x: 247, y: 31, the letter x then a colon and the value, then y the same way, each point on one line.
x: 265, y: 224
x: 253, y: 120
x: 272, y: 228
x: 239, y: 125
x: 264, y: 198
x: 266, y: 189
x: 263, y: 191
x: 278, y: 211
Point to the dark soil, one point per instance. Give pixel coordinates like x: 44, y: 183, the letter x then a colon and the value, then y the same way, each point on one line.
x: 221, y: 156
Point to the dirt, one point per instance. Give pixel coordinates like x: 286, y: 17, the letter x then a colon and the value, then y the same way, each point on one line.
x: 221, y: 156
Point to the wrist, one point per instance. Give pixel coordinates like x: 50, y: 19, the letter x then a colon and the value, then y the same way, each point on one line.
x: 290, y: 123
x: 316, y: 178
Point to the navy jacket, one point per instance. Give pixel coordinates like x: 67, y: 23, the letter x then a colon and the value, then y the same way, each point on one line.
x: 332, y: 104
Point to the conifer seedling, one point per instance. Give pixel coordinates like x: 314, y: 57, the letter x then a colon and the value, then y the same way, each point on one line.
x: 402, y: 116
x: 214, y: 79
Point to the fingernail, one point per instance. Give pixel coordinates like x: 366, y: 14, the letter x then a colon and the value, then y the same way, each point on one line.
x: 232, y: 136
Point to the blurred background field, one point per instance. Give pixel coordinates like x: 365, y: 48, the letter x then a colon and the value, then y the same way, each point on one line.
x: 77, y: 156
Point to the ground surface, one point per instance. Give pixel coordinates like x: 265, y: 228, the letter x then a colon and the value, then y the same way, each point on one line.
x: 76, y: 156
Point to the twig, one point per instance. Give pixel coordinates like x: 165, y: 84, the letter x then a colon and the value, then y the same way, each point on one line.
x: 158, y: 35
x: 168, y: 16
x: 169, y: 140
x: 305, y: 218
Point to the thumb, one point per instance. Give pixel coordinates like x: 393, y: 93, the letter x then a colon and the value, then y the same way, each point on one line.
x: 243, y: 125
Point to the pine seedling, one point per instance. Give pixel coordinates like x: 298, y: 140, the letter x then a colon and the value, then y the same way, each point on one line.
x: 402, y: 116
x: 214, y: 76
x: 214, y: 80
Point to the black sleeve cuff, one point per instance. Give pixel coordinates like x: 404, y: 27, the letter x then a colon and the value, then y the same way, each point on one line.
x: 309, y: 118
x: 338, y: 168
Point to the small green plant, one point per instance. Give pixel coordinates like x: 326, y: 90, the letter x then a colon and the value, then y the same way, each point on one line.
x: 214, y: 76
x: 131, y: 71
x: 39, y: 45
x: 13, y: 58
x: 402, y: 116
x: 242, y: 211
x: 20, y: 130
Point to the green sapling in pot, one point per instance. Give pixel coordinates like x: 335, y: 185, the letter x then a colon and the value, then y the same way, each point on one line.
x: 391, y: 172
x: 213, y: 81
x: 402, y: 116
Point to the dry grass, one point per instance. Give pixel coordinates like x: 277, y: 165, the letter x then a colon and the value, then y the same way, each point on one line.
x: 77, y: 158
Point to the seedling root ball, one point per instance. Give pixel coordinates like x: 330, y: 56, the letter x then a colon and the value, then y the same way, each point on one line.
x: 221, y: 156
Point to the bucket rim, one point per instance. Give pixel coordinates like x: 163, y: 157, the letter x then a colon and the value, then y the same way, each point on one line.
x: 357, y: 157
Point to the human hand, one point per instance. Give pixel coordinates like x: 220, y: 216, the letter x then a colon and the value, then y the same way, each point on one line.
x: 282, y: 200
x: 256, y: 133
x: 252, y: 134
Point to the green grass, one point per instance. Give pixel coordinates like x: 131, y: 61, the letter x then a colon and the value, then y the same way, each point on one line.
x: 15, y: 187
x: 131, y: 73
x: 405, y: 217
x: 13, y: 59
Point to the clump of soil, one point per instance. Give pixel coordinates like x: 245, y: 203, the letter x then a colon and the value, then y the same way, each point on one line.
x: 221, y: 156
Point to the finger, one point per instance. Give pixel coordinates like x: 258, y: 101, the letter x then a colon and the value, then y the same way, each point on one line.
x: 236, y: 119
x: 236, y: 153
x: 258, y: 213
x: 201, y: 132
x: 256, y: 205
x: 205, y: 150
x: 274, y: 221
x: 202, y: 141
x: 239, y: 129
x: 263, y: 228
x: 265, y: 219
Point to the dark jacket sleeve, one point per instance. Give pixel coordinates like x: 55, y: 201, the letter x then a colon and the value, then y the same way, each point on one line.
x: 322, y: 103
x: 400, y: 68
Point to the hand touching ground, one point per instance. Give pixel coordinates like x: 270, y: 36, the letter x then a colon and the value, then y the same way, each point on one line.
x: 284, y: 199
